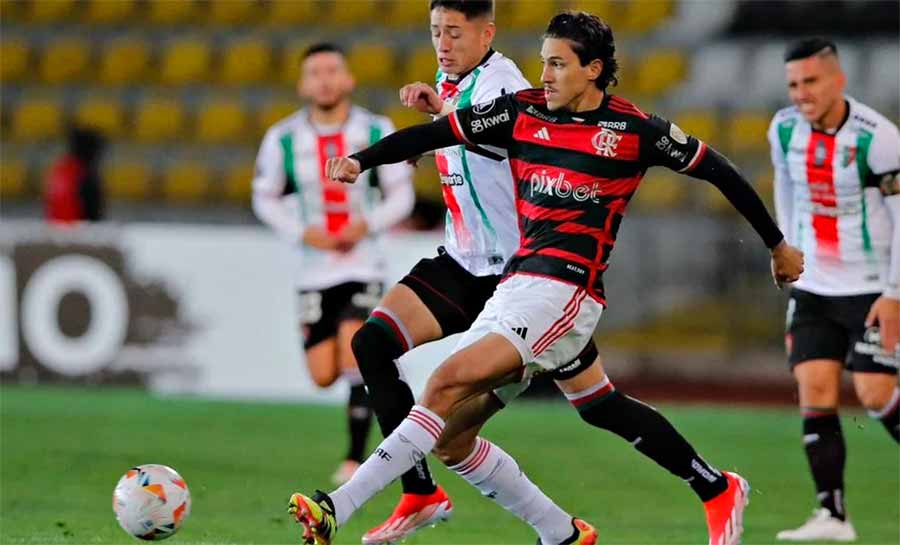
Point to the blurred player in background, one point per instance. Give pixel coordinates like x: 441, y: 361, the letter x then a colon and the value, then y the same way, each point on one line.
x: 332, y: 227
x: 74, y: 190
x: 837, y: 197
x: 577, y: 156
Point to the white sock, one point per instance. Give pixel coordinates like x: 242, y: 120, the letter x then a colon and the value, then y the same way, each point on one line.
x: 497, y: 475
x: 405, y: 446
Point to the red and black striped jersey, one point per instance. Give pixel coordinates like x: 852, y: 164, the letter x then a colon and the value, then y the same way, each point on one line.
x: 574, y: 173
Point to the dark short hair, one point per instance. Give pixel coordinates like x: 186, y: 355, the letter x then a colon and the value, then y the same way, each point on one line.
x: 470, y: 8
x: 322, y: 47
x: 808, y: 47
x: 591, y: 38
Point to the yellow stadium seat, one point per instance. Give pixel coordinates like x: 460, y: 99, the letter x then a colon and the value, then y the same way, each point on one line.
x: 531, y: 65
x: 167, y: 12
x: 37, y: 119
x: 406, y: 117
x: 421, y: 65
x: 291, y: 57
x: 661, y: 190
x: 764, y: 182
x: 238, y: 185
x: 747, y: 132
x: 50, y: 11
x: 13, y: 10
x: 186, y: 61
x: 186, y: 181
x: 354, y: 13
x: 524, y: 14
x: 273, y: 112
x: 371, y: 63
x: 659, y: 70
x: 65, y: 59
x: 246, y: 61
x: 124, y: 61
x: 101, y: 113
x: 699, y: 123
x: 128, y: 180
x: 407, y: 14
x: 13, y: 60
x: 221, y: 120
x: 644, y: 15
x: 158, y: 120
x: 233, y: 12
x: 712, y: 199
x: 13, y: 179
x: 109, y: 11
x: 609, y: 10
x: 292, y: 12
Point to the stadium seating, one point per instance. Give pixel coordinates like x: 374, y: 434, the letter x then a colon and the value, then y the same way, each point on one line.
x: 371, y: 63
x: 883, y: 83
x: 13, y: 179
x: 108, y: 12
x: 273, y: 111
x: 186, y: 61
x: 405, y: 117
x: 65, y: 59
x: 525, y: 14
x: 717, y: 75
x: 124, y: 61
x: 659, y: 71
x: 167, y: 12
x: 421, y: 65
x: 233, y: 12
x: 699, y: 123
x: 289, y: 13
x: 221, y: 120
x: 246, y: 61
x: 158, y: 120
x: 746, y: 132
x: 404, y: 14
x: 642, y: 15
x: 102, y: 113
x: 186, y: 181
x: 291, y: 55
x: 128, y: 180
x: 661, y: 190
x: 36, y: 119
x: 50, y: 12
x: 238, y: 183
x: 15, y: 56
x: 359, y: 12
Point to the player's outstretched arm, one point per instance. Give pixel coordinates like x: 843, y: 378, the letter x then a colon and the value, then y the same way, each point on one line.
x: 787, y: 261
x: 394, y: 148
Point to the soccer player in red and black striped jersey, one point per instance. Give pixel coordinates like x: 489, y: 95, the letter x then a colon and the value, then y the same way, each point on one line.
x: 577, y: 155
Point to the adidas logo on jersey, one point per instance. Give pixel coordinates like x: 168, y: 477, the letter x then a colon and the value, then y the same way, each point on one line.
x: 542, y: 134
x: 520, y: 331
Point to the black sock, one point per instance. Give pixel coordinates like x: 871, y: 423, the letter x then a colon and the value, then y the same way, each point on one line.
x: 827, y: 454
x: 891, y: 418
x: 654, y: 437
x: 390, y: 397
x: 359, y: 419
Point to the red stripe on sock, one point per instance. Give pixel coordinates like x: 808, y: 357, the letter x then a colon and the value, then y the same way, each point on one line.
x: 484, y: 448
x: 435, y: 427
x: 394, y: 327
x: 424, y: 425
x: 590, y: 397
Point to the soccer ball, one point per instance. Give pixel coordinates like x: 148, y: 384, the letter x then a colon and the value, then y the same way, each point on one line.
x: 151, y: 501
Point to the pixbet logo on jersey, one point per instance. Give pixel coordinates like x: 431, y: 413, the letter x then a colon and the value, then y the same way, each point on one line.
x: 556, y: 185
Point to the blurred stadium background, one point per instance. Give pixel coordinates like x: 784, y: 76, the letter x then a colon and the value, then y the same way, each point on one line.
x: 181, y: 290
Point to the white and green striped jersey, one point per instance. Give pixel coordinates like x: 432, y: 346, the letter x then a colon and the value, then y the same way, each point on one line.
x: 831, y: 202
x: 481, y: 226
x: 291, y: 192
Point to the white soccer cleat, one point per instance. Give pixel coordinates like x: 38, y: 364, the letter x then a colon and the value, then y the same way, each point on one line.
x: 821, y: 526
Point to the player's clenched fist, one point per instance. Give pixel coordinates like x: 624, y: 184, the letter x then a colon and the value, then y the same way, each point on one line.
x: 342, y: 169
x: 422, y: 97
x: 787, y: 263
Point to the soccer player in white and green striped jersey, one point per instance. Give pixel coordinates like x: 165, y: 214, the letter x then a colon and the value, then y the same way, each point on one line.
x: 837, y: 198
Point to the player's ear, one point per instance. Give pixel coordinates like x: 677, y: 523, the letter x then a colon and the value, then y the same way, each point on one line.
x: 594, y: 69
x: 490, y: 30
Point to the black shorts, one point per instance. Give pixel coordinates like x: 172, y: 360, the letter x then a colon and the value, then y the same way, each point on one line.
x: 833, y: 327
x: 322, y: 311
x: 455, y: 297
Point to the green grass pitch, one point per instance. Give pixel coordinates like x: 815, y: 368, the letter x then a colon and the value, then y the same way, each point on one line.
x: 63, y: 449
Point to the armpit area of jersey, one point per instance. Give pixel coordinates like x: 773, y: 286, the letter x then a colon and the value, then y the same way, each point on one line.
x: 407, y: 143
x: 719, y: 171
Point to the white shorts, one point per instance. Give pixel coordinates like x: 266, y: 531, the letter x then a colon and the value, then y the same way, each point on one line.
x: 548, y: 321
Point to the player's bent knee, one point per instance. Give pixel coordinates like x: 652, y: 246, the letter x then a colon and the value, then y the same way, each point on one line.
x: 874, y: 396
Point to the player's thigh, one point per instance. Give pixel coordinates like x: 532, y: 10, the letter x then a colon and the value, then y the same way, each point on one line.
x: 874, y: 389
x: 410, y: 311
x: 321, y: 360
x: 481, y: 366
x: 458, y: 439
x: 819, y: 382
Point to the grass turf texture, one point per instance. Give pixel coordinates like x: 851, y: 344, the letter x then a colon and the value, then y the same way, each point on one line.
x: 63, y: 450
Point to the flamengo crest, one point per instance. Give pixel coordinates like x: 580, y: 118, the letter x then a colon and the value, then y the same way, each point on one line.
x: 606, y: 142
